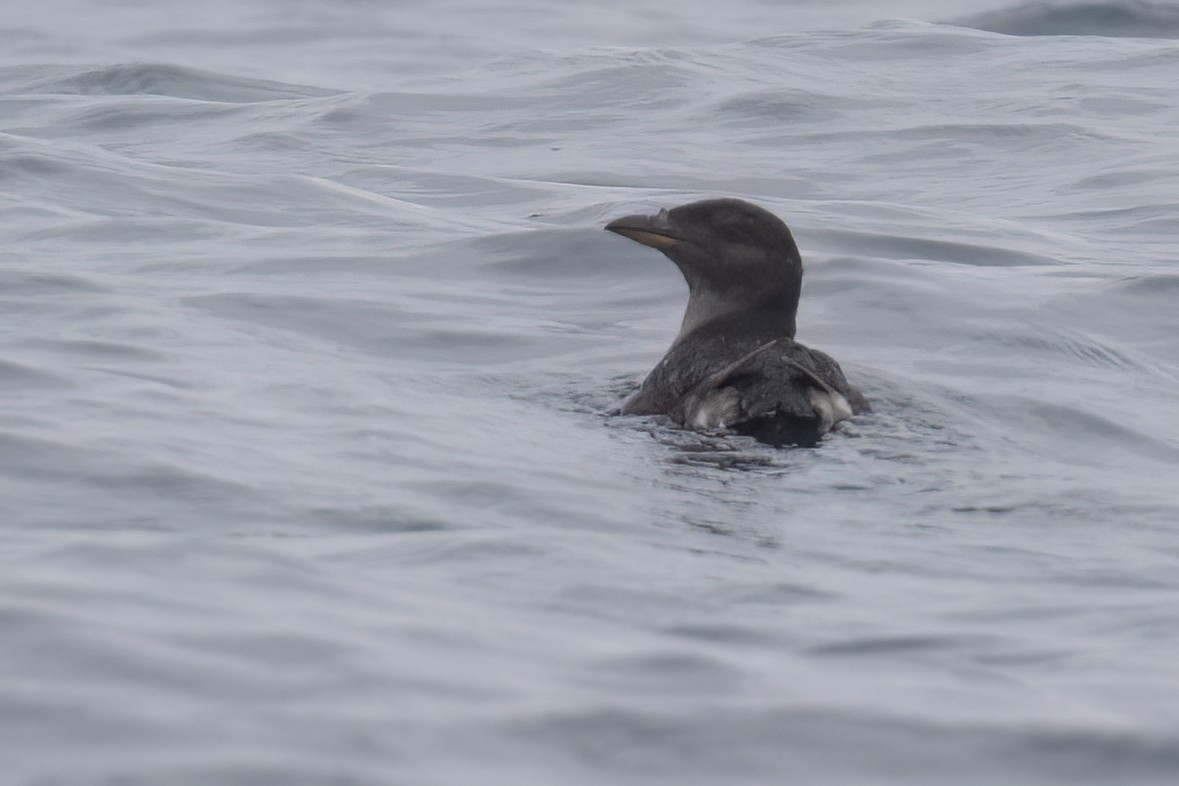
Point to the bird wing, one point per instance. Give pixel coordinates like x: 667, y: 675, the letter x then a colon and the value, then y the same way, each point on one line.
x: 781, y: 379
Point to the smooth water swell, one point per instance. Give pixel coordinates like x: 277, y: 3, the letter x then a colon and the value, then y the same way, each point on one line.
x: 1128, y: 18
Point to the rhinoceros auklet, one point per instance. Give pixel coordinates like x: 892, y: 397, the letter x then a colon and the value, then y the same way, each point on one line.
x: 735, y: 366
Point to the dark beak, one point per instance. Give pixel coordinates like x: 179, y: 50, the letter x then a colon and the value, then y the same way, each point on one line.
x: 655, y: 231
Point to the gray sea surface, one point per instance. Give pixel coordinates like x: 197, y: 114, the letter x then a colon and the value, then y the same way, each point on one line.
x: 310, y: 337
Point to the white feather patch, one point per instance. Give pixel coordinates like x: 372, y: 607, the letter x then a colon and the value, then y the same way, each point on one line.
x: 716, y: 411
x: 831, y: 408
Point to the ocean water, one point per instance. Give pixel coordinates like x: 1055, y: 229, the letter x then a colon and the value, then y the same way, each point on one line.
x: 310, y: 338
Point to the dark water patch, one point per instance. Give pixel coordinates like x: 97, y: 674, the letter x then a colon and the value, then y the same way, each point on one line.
x: 1167, y: 227
x: 27, y: 283
x: 778, y: 594
x: 722, y: 633
x: 31, y: 164
x: 896, y: 247
x: 1125, y: 177
x: 1122, y: 18
x: 994, y: 510
x: 586, y: 393
x: 664, y: 673
x: 1121, y: 107
x: 776, y: 107
x: 727, y: 457
x: 133, y: 116
x: 1049, y: 342
x: 298, y: 768
x: 1032, y: 498
x: 920, y: 441
x: 16, y: 36
x: 882, y: 40
x: 897, y: 645
x: 1032, y: 136
x: 377, y: 519
x: 155, y: 379
x: 153, y: 79
x: 176, y: 483
x: 21, y: 376
x: 811, y: 745
x: 422, y: 105
x: 692, y: 449
x: 122, y: 229
x: 275, y: 141
x: 1156, y: 285
x: 59, y: 460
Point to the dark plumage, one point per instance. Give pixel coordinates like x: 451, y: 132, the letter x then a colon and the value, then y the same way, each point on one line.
x: 735, y: 366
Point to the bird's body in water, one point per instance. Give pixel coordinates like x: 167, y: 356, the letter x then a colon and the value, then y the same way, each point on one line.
x: 735, y: 366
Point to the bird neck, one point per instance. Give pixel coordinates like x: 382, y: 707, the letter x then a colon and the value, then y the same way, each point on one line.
x: 713, y: 312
